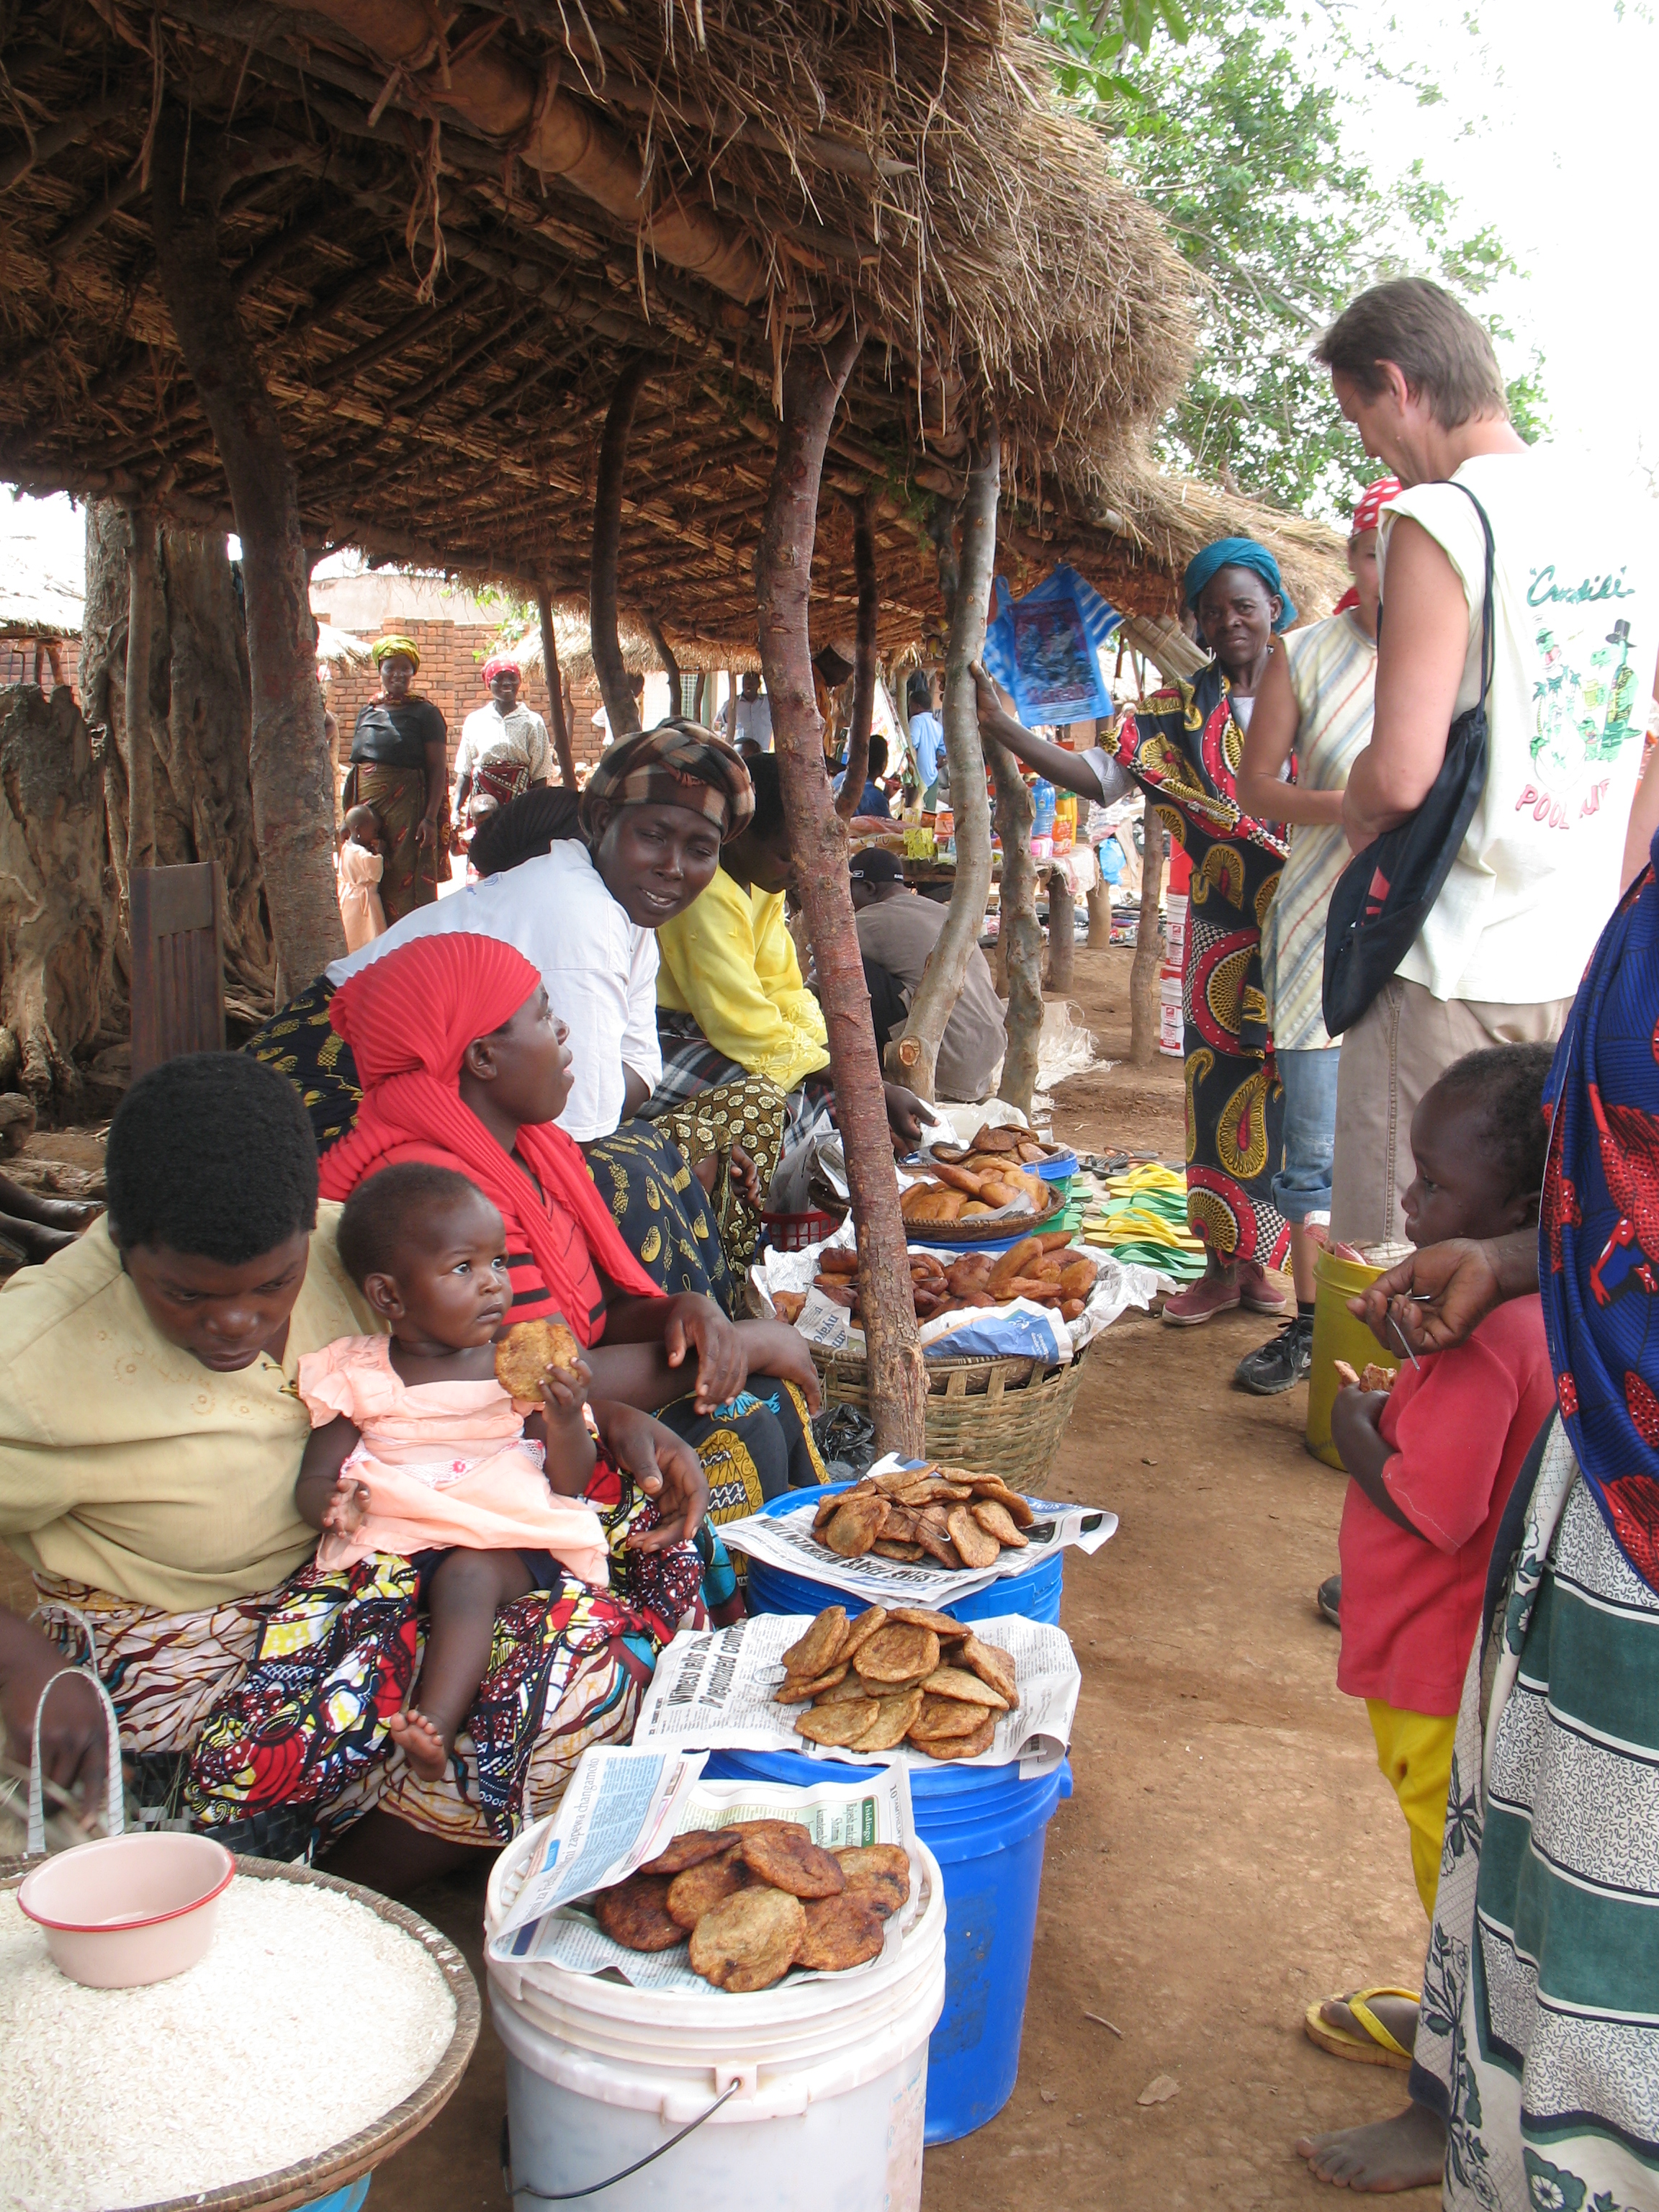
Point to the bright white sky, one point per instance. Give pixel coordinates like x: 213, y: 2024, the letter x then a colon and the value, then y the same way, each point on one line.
x: 1546, y: 133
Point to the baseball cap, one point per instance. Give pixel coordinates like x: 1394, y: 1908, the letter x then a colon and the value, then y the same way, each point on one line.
x: 875, y: 865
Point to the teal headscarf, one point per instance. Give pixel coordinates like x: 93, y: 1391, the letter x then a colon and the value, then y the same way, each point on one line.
x: 1238, y: 553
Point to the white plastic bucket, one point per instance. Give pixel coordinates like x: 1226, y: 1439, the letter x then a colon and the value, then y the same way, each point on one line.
x: 831, y: 2076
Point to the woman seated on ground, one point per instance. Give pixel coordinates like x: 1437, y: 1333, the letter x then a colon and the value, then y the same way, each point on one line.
x: 465, y: 1068
x: 584, y: 902
x: 731, y: 1001
x: 150, y: 1439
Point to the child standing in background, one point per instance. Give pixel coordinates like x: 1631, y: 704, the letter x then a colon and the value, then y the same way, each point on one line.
x: 1431, y: 1463
x: 357, y: 866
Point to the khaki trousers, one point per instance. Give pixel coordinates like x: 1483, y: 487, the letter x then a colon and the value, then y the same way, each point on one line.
x: 1400, y: 1047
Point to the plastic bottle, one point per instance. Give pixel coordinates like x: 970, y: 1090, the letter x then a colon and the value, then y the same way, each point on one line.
x: 1042, y: 819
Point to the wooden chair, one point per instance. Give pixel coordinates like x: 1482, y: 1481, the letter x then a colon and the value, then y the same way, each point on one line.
x: 177, y: 970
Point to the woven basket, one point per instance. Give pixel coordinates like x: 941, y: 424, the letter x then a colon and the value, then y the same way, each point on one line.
x: 996, y: 1416
x: 329, y: 2170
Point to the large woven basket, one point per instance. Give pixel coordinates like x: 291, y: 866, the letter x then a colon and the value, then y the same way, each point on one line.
x: 996, y: 1416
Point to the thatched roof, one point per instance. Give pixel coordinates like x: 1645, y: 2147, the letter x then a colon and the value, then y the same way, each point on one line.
x: 447, y: 241
x: 35, y: 600
x: 575, y: 641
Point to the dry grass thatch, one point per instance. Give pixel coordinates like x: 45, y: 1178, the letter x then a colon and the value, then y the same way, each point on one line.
x: 35, y: 602
x: 449, y: 229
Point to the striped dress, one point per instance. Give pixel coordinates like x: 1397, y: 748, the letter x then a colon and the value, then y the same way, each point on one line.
x: 1333, y: 671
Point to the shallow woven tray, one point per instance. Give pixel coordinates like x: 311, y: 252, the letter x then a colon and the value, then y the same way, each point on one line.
x: 982, y: 1232
x: 313, y: 2177
x: 995, y: 1416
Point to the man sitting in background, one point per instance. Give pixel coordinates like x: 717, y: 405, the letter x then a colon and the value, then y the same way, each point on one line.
x: 898, y: 931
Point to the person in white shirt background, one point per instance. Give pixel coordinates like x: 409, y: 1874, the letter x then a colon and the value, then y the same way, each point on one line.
x: 754, y: 717
x: 504, y: 749
x: 1576, y: 622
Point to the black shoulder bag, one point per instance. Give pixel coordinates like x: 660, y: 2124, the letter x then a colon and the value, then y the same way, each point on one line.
x: 1385, y: 894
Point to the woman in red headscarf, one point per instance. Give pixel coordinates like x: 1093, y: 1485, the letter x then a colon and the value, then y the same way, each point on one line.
x: 464, y: 1066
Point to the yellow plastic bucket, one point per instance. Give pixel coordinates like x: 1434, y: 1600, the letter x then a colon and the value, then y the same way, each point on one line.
x: 1337, y: 1336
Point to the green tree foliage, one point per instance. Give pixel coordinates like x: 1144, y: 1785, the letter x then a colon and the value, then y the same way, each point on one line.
x: 1236, y: 136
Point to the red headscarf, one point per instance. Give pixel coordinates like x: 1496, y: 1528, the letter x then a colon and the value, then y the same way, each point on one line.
x: 502, y: 664
x: 409, y: 1018
x: 1366, y: 516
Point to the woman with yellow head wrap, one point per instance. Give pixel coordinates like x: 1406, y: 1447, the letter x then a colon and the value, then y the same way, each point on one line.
x: 400, y: 768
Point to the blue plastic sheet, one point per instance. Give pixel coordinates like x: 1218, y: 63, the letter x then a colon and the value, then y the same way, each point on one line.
x: 1011, y: 1335
x: 1049, y: 650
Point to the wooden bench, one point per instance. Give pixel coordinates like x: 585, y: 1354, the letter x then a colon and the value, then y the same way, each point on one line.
x: 177, y: 970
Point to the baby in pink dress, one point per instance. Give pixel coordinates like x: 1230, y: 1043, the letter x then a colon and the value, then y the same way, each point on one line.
x: 416, y: 1449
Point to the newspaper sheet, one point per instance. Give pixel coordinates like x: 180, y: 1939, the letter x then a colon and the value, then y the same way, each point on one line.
x: 547, y: 1921
x: 786, y: 1540
x: 712, y: 1691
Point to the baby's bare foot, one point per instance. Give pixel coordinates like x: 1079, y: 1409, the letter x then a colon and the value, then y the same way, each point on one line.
x: 1407, y: 2152
x: 422, y: 1745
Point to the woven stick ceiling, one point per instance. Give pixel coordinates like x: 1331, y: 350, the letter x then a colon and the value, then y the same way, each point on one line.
x: 451, y: 226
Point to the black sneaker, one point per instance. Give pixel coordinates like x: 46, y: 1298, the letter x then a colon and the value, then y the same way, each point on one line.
x: 1283, y: 1360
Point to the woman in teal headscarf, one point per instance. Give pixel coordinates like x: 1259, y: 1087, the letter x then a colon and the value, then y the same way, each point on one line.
x: 1182, y: 744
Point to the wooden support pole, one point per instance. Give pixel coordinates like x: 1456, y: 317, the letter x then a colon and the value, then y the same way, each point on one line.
x: 864, y: 665
x: 1062, y: 933
x: 608, y: 665
x: 812, y: 385
x: 555, y: 688
x: 290, y: 770
x: 912, y: 1058
x: 141, y: 750
x: 1149, y: 945
x: 700, y: 698
x: 1100, y: 916
x: 664, y: 653
x: 1019, y: 934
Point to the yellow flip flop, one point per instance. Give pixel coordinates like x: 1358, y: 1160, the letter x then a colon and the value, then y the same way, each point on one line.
x: 1377, y: 2047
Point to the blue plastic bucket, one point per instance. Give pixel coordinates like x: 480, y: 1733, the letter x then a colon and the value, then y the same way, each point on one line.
x: 1035, y: 1597
x: 987, y: 1828
x: 349, y: 2199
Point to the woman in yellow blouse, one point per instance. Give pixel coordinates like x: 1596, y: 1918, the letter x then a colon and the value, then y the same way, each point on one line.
x: 731, y: 1001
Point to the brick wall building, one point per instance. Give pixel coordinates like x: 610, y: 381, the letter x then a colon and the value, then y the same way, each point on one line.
x: 17, y: 662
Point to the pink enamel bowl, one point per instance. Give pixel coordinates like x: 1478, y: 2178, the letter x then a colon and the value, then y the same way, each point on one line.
x: 129, y: 1910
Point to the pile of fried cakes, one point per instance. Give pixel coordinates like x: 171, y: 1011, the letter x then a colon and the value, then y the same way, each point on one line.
x: 756, y: 1898
x: 905, y: 1676
x: 947, y: 1513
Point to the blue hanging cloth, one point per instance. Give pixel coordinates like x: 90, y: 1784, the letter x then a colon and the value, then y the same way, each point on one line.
x: 1048, y: 650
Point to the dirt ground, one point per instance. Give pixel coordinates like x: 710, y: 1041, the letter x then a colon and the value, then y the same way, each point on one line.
x: 1230, y: 1852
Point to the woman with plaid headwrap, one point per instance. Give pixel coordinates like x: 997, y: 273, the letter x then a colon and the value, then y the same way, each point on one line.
x: 400, y: 767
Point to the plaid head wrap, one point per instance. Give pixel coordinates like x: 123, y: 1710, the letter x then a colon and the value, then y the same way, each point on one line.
x: 679, y: 763
x: 383, y: 647
x: 502, y: 664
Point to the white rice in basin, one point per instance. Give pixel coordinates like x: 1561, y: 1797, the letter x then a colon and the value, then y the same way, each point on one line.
x: 309, y: 2018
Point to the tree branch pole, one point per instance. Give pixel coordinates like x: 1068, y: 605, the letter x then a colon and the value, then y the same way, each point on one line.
x: 1062, y: 933
x: 664, y: 653
x: 140, y: 748
x: 864, y: 661
x: 1018, y: 930
x: 555, y: 688
x: 1149, y: 945
x: 291, y: 773
x: 614, y: 687
x: 812, y: 386
x: 912, y: 1058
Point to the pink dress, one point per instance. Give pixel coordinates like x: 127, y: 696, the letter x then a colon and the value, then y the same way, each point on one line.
x: 447, y: 1465
x: 362, y: 915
